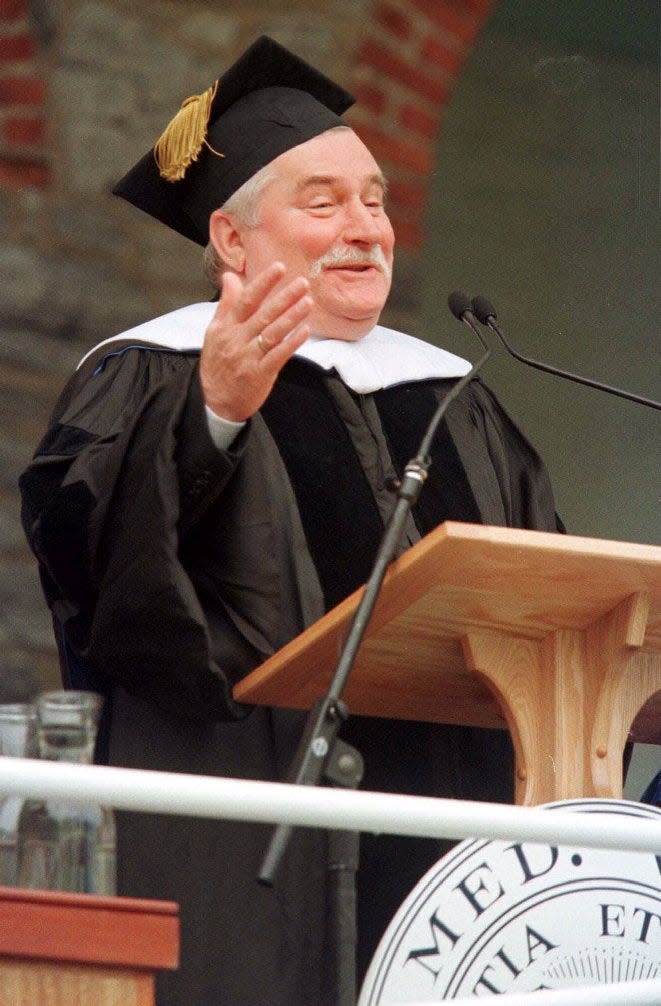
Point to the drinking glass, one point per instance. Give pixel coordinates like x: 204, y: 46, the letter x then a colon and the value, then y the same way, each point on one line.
x: 64, y: 845
x: 18, y: 739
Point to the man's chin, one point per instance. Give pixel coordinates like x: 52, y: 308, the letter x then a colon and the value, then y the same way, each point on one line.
x: 347, y: 326
x: 351, y: 306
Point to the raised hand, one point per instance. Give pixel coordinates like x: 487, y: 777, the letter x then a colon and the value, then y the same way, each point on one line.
x: 256, y: 328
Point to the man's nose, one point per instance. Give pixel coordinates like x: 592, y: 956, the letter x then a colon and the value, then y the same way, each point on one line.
x: 362, y: 225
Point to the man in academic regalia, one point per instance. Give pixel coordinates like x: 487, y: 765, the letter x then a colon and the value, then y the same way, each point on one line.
x: 214, y: 480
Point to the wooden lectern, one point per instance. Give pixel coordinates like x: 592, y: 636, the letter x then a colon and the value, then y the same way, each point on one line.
x: 82, y: 949
x: 557, y: 638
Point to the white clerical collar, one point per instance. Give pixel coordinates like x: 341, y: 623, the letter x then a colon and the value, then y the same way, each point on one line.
x: 382, y: 358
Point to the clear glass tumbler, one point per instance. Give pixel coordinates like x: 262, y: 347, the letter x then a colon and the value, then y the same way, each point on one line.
x: 18, y: 739
x: 62, y: 845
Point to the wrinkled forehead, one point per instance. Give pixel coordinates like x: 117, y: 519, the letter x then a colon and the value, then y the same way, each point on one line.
x: 331, y: 157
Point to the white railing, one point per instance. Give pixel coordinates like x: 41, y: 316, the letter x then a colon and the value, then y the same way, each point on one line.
x: 304, y: 806
x: 307, y: 806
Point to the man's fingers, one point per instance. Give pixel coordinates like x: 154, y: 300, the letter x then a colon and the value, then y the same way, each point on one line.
x: 254, y: 293
x: 257, y: 305
x: 289, y: 316
x: 274, y: 357
x: 232, y: 288
x: 280, y: 301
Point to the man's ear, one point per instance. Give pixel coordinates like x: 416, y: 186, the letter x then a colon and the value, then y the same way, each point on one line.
x: 226, y: 236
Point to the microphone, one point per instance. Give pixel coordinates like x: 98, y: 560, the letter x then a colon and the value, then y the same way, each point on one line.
x: 463, y: 310
x: 485, y: 312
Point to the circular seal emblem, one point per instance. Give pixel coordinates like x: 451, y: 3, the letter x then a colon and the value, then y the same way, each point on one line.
x: 493, y: 917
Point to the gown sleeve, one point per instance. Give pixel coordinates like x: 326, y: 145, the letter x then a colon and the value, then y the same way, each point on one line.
x: 523, y: 479
x: 124, y: 473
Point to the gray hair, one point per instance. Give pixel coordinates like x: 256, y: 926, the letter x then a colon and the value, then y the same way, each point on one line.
x: 245, y: 204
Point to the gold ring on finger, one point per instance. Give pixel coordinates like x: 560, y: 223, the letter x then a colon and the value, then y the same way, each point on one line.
x: 263, y: 344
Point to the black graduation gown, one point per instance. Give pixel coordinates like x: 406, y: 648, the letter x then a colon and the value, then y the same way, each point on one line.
x: 173, y: 568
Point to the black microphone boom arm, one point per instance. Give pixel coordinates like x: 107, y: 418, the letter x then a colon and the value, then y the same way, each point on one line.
x: 485, y: 313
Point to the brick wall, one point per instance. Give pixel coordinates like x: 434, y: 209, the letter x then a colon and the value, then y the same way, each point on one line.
x: 23, y: 148
x: 404, y: 70
x: 26, y: 648
x: 404, y: 73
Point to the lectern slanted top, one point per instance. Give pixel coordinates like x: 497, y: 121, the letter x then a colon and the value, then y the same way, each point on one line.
x: 557, y: 638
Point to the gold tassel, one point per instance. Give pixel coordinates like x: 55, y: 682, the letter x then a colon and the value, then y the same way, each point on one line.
x: 183, y: 137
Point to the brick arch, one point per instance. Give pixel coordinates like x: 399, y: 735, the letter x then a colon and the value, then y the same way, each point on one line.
x: 406, y: 66
x: 23, y: 158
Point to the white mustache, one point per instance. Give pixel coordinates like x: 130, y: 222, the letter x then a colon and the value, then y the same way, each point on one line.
x: 339, y: 257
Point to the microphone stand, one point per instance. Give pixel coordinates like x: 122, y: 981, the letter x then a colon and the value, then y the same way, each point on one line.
x: 321, y: 755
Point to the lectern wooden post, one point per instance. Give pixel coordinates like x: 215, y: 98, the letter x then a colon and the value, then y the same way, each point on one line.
x: 556, y: 637
x: 82, y: 950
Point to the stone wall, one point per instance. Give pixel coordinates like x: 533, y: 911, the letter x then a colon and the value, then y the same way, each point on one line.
x: 85, y: 88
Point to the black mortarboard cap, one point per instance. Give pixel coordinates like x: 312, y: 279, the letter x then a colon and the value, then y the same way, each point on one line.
x: 266, y: 103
